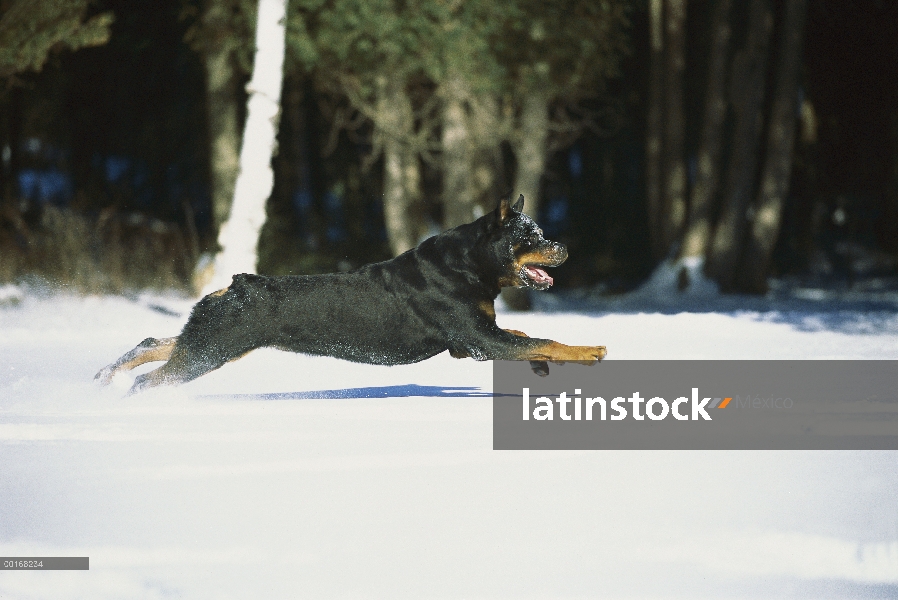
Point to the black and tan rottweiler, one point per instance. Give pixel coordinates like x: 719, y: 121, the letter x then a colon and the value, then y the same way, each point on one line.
x: 438, y: 296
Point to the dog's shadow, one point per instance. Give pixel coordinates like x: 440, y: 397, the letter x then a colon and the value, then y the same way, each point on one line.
x: 387, y: 391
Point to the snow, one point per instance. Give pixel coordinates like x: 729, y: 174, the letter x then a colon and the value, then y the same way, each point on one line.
x: 282, y: 475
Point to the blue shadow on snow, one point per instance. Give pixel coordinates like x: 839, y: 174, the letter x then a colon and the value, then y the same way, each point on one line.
x: 388, y: 391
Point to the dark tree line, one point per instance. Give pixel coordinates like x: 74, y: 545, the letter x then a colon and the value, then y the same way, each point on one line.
x: 730, y: 221
x: 722, y: 136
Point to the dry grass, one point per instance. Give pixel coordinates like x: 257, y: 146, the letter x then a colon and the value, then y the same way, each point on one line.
x: 110, y: 253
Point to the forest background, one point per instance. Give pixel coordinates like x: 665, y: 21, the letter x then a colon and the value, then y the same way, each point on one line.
x: 734, y: 140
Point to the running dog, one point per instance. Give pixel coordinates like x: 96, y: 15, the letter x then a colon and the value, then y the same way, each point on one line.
x: 438, y: 296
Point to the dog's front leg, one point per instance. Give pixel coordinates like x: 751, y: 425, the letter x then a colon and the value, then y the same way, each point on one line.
x: 559, y: 353
x: 502, y: 344
x: 540, y: 367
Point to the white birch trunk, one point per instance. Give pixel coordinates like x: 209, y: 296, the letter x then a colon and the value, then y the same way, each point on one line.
x: 239, y: 235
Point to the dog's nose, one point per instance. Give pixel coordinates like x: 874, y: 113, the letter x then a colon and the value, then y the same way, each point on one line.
x: 561, y: 252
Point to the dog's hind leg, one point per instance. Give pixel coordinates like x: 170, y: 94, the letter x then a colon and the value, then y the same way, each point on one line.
x: 183, y: 366
x: 149, y: 350
x: 178, y: 369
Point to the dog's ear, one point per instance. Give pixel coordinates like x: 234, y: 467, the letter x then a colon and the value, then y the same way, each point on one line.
x: 506, y: 209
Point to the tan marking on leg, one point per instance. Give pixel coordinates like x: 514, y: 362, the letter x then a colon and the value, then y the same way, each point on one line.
x: 560, y: 353
x: 171, y: 373
x: 160, y: 350
x: 241, y: 356
x: 151, y: 379
x: 177, y: 370
x: 540, y: 367
x: 463, y: 354
x: 489, y: 309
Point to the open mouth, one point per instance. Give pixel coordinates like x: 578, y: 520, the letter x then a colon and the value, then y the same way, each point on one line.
x: 536, y: 277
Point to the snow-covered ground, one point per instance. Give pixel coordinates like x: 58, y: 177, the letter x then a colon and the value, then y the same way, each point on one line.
x: 286, y: 476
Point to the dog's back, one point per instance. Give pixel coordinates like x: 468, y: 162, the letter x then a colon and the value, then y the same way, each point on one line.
x: 355, y: 316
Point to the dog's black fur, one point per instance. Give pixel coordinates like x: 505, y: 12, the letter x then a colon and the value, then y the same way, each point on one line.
x: 436, y: 297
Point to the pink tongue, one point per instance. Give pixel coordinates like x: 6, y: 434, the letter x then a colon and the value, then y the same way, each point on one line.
x: 539, y: 276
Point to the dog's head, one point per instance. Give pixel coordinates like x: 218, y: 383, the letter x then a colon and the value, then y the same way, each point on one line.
x: 521, y: 249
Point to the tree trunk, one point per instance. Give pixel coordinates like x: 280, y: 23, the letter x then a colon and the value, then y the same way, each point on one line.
x: 674, y: 197
x: 222, y: 109
x: 889, y: 231
x: 411, y: 181
x: 5, y: 150
x: 239, y: 235
x: 395, y: 207
x: 401, y: 173
x: 530, y: 146
x: 281, y: 216
x: 655, y: 127
x: 747, y: 96
x: 10, y: 164
x: 695, y: 240
x: 484, y: 128
x: 530, y: 150
x: 777, y: 171
x: 458, y: 196
x: 12, y: 149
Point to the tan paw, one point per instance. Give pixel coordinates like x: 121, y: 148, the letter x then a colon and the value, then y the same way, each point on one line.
x: 593, y: 354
